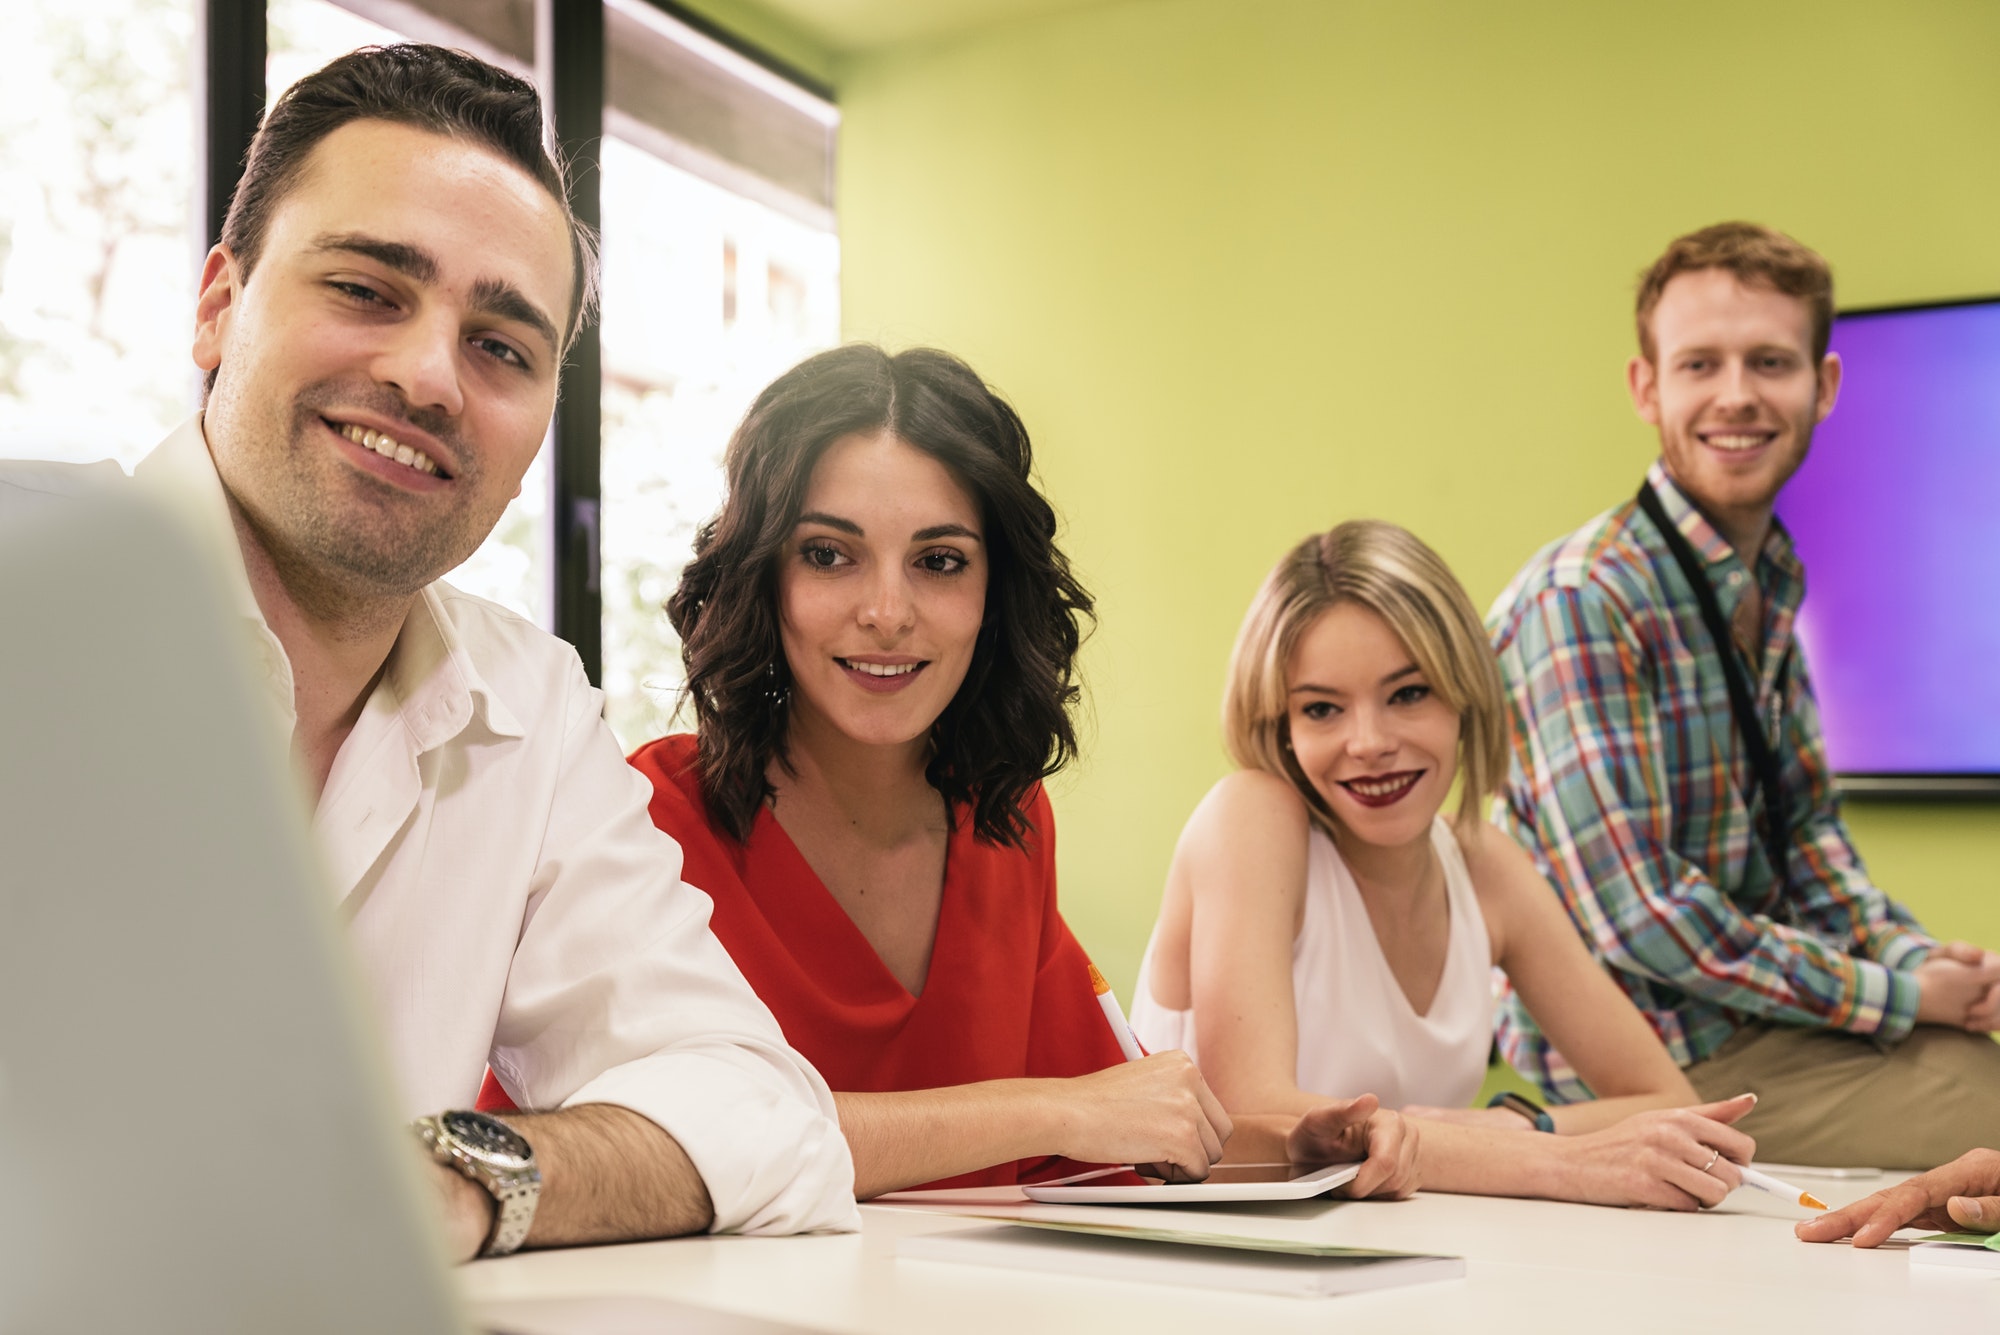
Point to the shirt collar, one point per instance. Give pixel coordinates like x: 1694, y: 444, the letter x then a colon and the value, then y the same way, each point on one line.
x: 180, y: 473
x: 430, y: 676
x: 437, y: 681
x: 1706, y: 539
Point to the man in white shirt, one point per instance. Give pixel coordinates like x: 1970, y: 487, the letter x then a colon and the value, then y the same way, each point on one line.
x: 382, y: 327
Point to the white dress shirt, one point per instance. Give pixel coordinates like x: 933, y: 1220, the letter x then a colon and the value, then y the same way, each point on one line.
x: 512, y: 903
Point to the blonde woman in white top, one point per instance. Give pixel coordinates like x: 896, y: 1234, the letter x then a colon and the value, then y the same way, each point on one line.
x: 1325, y: 933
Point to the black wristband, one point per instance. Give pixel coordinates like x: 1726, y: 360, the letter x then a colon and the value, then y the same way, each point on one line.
x: 1537, y: 1115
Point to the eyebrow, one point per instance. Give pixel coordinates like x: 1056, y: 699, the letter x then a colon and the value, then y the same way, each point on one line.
x: 1712, y: 350
x: 830, y: 521
x: 1307, y: 688
x: 490, y: 296
x: 930, y: 534
x: 937, y: 531
x: 410, y: 261
x: 495, y: 297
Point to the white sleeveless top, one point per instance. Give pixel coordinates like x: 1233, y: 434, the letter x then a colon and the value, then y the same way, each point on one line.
x: 1357, y: 1031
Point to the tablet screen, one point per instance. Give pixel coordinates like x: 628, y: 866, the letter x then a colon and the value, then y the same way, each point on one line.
x: 1236, y: 1174
x: 1225, y: 1182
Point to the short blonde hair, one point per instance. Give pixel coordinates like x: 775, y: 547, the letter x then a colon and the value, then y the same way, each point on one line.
x: 1389, y: 571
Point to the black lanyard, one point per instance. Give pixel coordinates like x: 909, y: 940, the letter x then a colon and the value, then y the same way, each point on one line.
x: 1741, y: 702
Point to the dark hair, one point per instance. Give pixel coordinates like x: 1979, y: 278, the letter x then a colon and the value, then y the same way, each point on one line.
x: 1755, y: 254
x: 428, y: 87
x: 1008, y: 726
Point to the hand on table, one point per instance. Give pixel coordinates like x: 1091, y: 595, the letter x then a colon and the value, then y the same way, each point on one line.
x: 1157, y: 1113
x: 1668, y: 1159
x: 1964, y: 1194
x: 1959, y: 986
x: 1345, y: 1130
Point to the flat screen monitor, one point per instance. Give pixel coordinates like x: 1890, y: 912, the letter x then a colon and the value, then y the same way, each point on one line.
x: 1896, y: 513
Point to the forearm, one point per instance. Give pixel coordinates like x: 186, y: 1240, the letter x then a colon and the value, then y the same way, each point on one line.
x: 610, y: 1175
x: 1673, y: 924
x: 1576, y: 1119
x: 1259, y: 1138
x: 1246, y: 1098
x: 1477, y: 1161
x: 1620, y: 1058
x: 907, y: 1137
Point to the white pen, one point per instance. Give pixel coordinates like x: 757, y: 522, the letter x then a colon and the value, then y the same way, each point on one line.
x: 1765, y: 1182
x: 1120, y: 1030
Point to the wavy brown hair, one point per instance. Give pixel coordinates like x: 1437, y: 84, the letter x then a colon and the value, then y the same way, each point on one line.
x: 1008, y: 727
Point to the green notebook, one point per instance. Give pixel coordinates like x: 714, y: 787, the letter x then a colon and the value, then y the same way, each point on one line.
x: 1970, y: 1251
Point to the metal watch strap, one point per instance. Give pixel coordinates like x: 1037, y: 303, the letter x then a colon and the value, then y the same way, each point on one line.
x: 515, y: 1192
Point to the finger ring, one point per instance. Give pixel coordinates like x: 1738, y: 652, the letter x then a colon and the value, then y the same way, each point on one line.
x: 1717, y: 1154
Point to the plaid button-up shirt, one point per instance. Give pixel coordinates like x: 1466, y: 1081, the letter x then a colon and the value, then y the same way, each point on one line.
x: 1635, y: 795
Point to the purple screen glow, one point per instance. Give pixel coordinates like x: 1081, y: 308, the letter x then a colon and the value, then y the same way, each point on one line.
x: 1893, y: 513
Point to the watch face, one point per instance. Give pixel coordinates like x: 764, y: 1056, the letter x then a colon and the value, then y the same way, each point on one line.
x: 488, y: 1137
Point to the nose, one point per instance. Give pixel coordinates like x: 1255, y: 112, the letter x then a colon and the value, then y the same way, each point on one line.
x: 420, y: 359
x: 1733, y: 390
x: 1366, y: 735
x: 886, y: 606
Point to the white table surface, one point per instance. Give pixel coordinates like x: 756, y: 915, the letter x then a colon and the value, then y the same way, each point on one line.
x: 1531, y: 1266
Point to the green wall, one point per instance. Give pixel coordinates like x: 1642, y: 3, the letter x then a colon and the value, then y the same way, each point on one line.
x: 1251, y: 267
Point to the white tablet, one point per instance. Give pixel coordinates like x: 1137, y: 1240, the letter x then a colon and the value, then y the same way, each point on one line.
x: 1225, y: 1182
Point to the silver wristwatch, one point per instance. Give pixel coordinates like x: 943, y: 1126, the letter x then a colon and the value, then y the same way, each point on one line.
x: 498, y: 1158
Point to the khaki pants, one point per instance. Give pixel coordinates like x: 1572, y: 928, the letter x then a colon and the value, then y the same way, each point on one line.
x: 1830, y: 1099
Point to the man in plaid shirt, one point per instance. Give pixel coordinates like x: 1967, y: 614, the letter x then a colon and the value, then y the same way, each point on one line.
x: 1635, y: 789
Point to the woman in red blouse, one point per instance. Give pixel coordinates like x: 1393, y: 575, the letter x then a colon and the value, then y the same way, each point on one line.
x: 879, y: 636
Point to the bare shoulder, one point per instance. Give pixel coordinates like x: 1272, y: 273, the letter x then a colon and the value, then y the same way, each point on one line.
x: 1248, y: 804
x: 1251, y: 828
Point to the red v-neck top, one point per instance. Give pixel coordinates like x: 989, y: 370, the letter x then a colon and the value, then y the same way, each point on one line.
x: 1008, y: 993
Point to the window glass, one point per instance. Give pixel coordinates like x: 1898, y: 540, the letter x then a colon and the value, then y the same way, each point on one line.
x: 98, y: 252
x: 707, y: 297
x: 513, y: 566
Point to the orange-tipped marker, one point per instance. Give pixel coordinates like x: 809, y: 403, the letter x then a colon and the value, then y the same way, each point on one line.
x: 1120, y: 1029
x: 1765, y: 1182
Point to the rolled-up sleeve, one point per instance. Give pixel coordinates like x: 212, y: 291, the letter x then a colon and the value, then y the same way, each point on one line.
x: 1602, y: 800
x: 619, y: 993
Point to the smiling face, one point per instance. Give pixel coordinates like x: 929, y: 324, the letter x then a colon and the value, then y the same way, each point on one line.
x: 1735, y: 393
x: 881, y: 592
x: 1367, y: 730
x: 387, y: 370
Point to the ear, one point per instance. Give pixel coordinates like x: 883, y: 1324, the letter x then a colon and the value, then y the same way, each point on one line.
x: 215, y: 307
x: 1829, y: 385
x: 1642, y: 380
